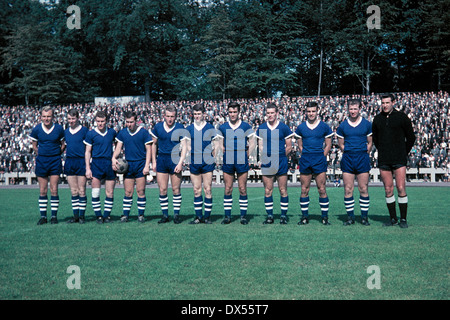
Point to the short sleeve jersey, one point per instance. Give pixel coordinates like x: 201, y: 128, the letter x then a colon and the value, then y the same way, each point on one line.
x: 236, y: 138
x: 168, y: 138
x: 200, y: 139
x: 74, y: 138
x: 355, y: 136
x: 274, y: 138
x: 49, y: 141
x: 134, y: 143
x: 313, y: 136
x: 102, y: 143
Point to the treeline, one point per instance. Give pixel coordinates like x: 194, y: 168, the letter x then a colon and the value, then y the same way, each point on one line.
x: 189, y: 50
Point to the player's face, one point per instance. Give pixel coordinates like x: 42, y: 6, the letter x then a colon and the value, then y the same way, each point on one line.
x: 73, y: 121
x: 271, y: 115
x: 198, y: 116
x: 311, y: 113
x: 47, y: 118
x: 353, y: 111
x: 101, y: 123
x: 130, y: 123
x: 387, y: 105
x: 233, y: 114
x: 169, y: 118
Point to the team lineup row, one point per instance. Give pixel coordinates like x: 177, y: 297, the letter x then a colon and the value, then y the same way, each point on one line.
x: 93, y: 154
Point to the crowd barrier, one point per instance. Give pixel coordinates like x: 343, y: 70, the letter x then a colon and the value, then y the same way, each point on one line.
x: 433, y: 175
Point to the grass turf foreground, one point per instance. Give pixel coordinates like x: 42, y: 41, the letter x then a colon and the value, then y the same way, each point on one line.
x: 226, y: 262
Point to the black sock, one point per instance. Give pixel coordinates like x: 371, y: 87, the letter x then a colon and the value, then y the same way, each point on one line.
x: 403, y: 206
x: 390, y: 202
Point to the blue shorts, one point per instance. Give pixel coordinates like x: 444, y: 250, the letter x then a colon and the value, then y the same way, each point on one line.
x: 135, y: 169
x: 75, y: 167
x: 313, y: 163
x: 164, y: 164
x: 48, y: 166
x: 275, y: 167
x: 201, y: 168
x: 355, y: 162
x: 235, y: 168
x: 102, y: 169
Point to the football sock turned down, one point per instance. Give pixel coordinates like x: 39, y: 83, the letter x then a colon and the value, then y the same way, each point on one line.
x: 127, y: 203
x: 349, y: 203
x: 176, y: 203
x: 54, y: 204
x: 198, y: 206
x: 243, y: 204
x: 76, y: 206
x: 141, y: 203
x: 227, y: 204
x: 43, y: 201
x: 164, y: 203
x: 82, y: 203
x: 364, y: 203
x: 208, y: 207
x: 403, y: 206
x: 108, y: 207
x: 268, y: 202
x: 324, y: 203
x: 284, y: 205
x: 304, y: 205
x: 390, y: 202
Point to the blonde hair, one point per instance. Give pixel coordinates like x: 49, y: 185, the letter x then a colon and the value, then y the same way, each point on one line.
x: 47, y: 108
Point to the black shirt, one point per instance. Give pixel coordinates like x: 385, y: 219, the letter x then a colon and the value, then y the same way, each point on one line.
x: 393, y: 136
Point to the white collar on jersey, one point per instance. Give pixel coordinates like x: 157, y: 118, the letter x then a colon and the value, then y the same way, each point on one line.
x: 236, y: 125
x: 47, y: 131
x: 274, y: 126
x: 199, y: 126
x: 73, y: 131
x: 136, y: 131
x: 356, y: 123
x: 100, y: 133
x: 314, y: 125
x: 167, y: 128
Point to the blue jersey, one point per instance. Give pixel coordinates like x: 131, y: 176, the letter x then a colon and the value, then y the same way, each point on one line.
x: 74, y: 141
x: 201, y: 146
x: 168, y: 138
x: 134, y: 143
x: 355, y: 136
x: 235, y: 141
x: 313, y: 136
x: 49, y: 141
x: 274, y: 139
x: 101, y: 143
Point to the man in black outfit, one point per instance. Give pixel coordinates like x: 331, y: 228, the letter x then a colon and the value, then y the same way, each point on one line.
x: 393, y: 136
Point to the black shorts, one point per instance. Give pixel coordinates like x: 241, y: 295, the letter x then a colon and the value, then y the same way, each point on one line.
x: 390, y: 167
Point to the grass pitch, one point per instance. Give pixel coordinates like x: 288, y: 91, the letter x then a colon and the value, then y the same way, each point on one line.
x: 221, y: 262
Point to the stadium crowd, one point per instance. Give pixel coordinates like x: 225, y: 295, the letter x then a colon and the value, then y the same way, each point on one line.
x: 428, y: 111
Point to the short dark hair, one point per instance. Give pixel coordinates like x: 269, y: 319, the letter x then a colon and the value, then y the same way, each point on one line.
x: 234, y: 105
x: 73, y: 113
x: 352, y: 102
x: 272, y: 105
x: 387, y: 96
x: 312, y: 104
x: 130, y: 114
x: 101, y: 114
x: 198, y: 107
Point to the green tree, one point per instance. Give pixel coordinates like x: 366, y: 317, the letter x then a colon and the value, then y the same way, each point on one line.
x: 269, y: 35
x: 35, y: 59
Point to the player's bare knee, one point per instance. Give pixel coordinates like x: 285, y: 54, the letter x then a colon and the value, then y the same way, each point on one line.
x: 322, y: 191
